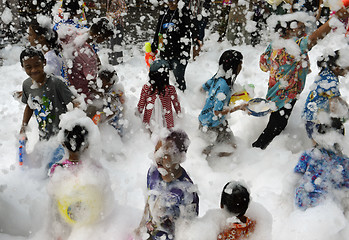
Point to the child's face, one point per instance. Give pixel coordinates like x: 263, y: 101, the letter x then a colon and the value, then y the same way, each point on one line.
x: 34, y: 67
x: 107, y: 84
x: 173, y: 4
x: 34, y: 38
x: 297, y: 29
x: 97, y: 38
x: 163, y: 156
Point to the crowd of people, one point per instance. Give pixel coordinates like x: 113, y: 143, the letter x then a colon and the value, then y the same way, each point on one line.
x: 65, y: 73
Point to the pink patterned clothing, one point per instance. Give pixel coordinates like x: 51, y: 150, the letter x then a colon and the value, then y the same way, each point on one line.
x: 83, y: 73
x: 147, y: 102
x: 238, y: 231
x: 64, y: 164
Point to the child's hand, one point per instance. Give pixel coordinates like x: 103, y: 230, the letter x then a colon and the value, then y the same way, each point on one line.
x: 342, y: 13
x: 22, y: 131
x: 137, y: 113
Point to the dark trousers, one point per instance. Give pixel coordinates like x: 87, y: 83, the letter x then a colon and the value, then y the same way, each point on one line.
x: 115, y: 44
x: 179, y: 71
x: 277, y: 123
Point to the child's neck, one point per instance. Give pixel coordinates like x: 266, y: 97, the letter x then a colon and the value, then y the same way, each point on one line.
x: 243, y: 219
x: 74, y: 157
x: 40, y: 81
x: 173, y: 176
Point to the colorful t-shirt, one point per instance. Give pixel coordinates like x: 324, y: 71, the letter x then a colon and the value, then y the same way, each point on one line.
x: 326, y: 87
x: 48, y: 103
x: 238, y: 231
x: 219, y: 95
x: 169, y: 201
x: 322, y: 170
x: 287, y: 72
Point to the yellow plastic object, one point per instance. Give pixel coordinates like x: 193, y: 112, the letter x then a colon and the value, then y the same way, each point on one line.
x: 147, y: 47
x: 243, y: 95
x: 82, y: 206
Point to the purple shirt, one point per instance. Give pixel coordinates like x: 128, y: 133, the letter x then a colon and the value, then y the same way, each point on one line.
x: 171, y: 199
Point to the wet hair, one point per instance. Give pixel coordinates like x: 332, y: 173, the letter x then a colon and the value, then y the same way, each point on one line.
x: 180, y: 140
x: 159, y: 76
x: 108, y: 75
x: 30, y: 52
x: 71, y: 6
x: 336, y: 125
x: 280, y: 29
x: 103, y: 27
x: 75, y: 140
x: 329, y: 61
x: 49, y: 34
x: 235, y: 198
x: 231, y: 59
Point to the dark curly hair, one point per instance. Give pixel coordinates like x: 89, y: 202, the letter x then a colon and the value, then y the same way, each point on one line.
x: 76, y: 139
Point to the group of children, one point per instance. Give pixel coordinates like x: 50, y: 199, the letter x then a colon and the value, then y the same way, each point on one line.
x: 69, y: 74
x: 68, y: 55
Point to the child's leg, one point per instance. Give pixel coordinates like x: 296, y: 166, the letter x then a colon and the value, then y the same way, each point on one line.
x: 277, y: 123
x: 179, y: 71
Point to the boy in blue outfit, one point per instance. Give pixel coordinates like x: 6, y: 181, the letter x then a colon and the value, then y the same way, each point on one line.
x: 323, y: 168
x: 324, y: 102
x: 219, y: 90
x: 44, y: 95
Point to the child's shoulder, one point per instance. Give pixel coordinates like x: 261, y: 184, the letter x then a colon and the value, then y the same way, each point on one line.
x: 27, y: 82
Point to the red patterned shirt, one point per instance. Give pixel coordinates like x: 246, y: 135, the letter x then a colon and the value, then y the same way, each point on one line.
x: 147, y: 101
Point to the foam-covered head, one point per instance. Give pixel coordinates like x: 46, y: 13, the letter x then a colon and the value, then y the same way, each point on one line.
x: 73, y: 7
x: 101, y: 30
x: 76, y: 140
x: 329, y: 135
x: 173, y: 149
x: 335, y: 61
x: 230, y: 60
x: 180, y: 141
x: 235, y: 198
x: 42, y: 30
x: 31, y: 52
x: 159, y: 75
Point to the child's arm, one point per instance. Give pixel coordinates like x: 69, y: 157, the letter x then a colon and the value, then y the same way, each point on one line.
x: 121, y: 97
x: 143, y: 222
x: 174, y: 99
x: 302, y: 164
x: 28, y: 112
x: 142, y: 100
x: 227, y: 110
x: 264, y: 61
x: 322, y: 31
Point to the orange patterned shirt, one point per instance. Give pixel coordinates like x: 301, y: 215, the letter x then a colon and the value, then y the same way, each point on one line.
x: 237, y: 231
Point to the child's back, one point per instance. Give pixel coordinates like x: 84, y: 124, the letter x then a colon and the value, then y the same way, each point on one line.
x: 157, y: 98
x: 235, y: 199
